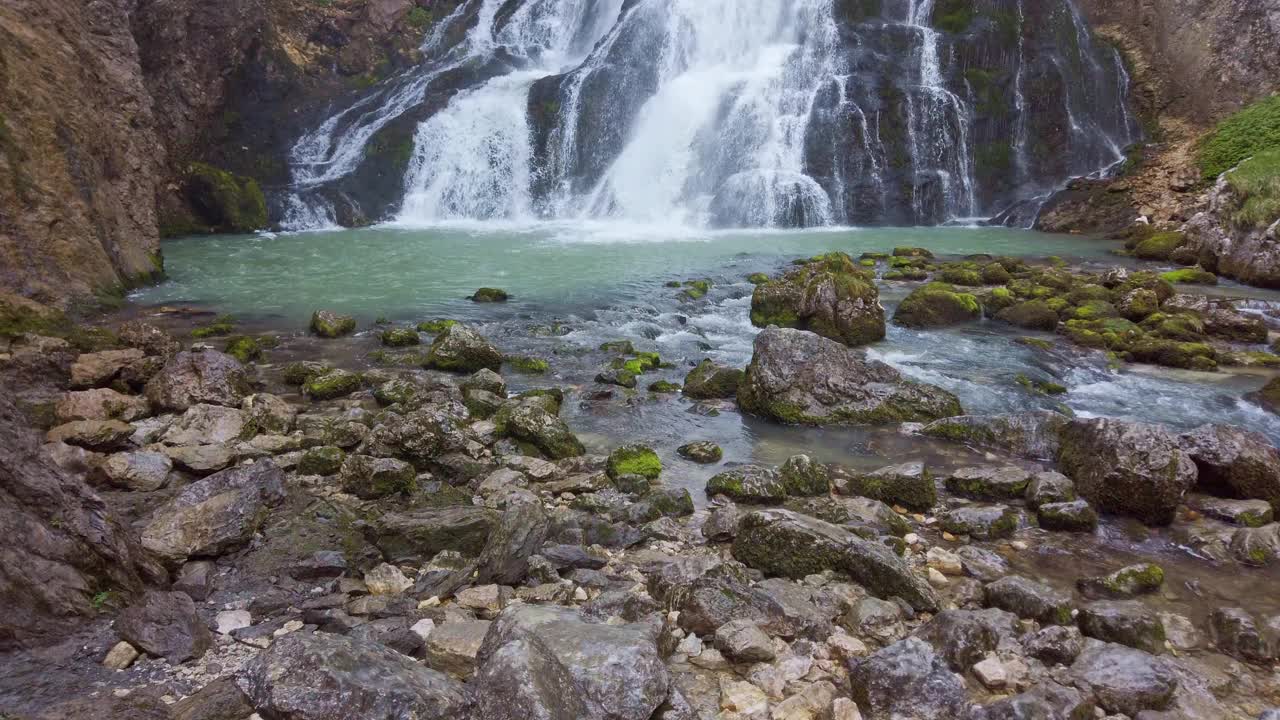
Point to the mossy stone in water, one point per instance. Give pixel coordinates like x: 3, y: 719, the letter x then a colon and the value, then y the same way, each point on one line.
x: 437, y: 326
x: 749, y: 484
x: 664, y: 387
x: 323, y: 460
x: 1171, y: 353
x: 634, y: 460
x: 1071, y: 516
x: 226, y: 202
x: 1270, y: 395
x: 960, y: 275
x: 526, y: 364
x: 220, y: 326
x: 710, y: 381
x: 702, y: 451
x: 461, y: 349
x: 1128, y: 581
x: 245, y: 349
x: 910, y: 485
x: 333, y: 384
x: 828, y: 295
x: 995, y: 274
x: 328, y: 324
x: 299, y: 373
x: 936, y: 305
x: 987, y: 522
x: 758, y: 278
x: 490, y: 295
x: 802, y: 477
x: 400, y: 337
x: 1159, y: 246
x: 1032, y: 315
x: 696, y: 289
x: 622, y: 347
x: 1190, y: 276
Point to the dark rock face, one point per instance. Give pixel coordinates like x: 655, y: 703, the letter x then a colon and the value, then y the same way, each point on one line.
x: 165, y: 624
x: 908, y: 681
x: 1046, y: 700
x: 70, y: 545
x: 1029, y: 599
x: 318, y: 676
x: 417, y: 535
x: 1123, y: 621
x: 1235, y: 462
x: 519, y: 533
x: 710, y: 597
x: 1127, y: 468
x: 552, y: 663
x: 963, y: 637
x: 801, y: 378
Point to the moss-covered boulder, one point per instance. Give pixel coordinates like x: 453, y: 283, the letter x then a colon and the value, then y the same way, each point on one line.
x: 225, y: 202
x: 322, y: 460
x: 437, y: 326
x: 1069, y: 516
x: 490, y: 295
x: 997, y: 299
x: 749, y: 484
x: 332, y: 384
x: 936, y: 305
x: 786, y: 543
x: 1138, y: 304
x: 528, y: 365
x: 980, y: 521
x: 701, y: 451
x: 1171, y: 353
x: 963, y: 275
x: 460, y: 349
x: 664, y: 387
x: 328, y: 324
x: 244, y: 348
x: 634, y: 460
x: 711, y: 381
x: 1269, y: 396
x: 802, y: 477
x: 1190, y: 276
x: 370, y: 478
x: 910, y: 485
x: 995, y: 274
x: 797, y: 377
x: 1126, y: 468
x: 400, y: 337
x: 1128, y: 581
x: 299, y: 373
x: 989, y: 482
x: 828, y: 295
x: 536, y: 420
x: 1159, y: 246
x: 1032, y: 315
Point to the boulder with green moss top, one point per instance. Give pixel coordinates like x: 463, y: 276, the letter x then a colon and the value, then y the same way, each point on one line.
x: 989, y: 483
x: 490, y: 295
x: 710, y: 381
x: 1128, y: 581
x: 1220, y: 317
x: 1115, y: 334
x: 328, y: 324
x: 527, y: 364
x: 912, y: 252
x: 995, y: 300
x: 1032, y: 435
x: 1091, y: 310
x: 962, y: 274
x: 664, y: 387
x: 802, y: 477
x: 1029, y: 599
x: 622, y: 347
x: 1234, y: 462
x: 1031, y: 314
x: 1125, y: 622
x: 225, y: 202
x: 634, y: 460
x: 460, y: 349
x: 910, y: 485
x: 621, y: 377
x: 536, y: 420
x: 696, y: 289
x: 758, y: 278
x: 1159, y: 246
x: 936, y: 305
x: 486, y: 379
x: 333, y: 384
x: 298, y: 373
x: 907, y: 274
x: 1175, y: 354
x: 370, y: 478
x: 1069, y: 516
x: 1126, y: 468
x: 244, y: 348
x: 1138, y: 304
x: 435, y: 327
x: 828, y: 295
x: 1190, y: 276
x: 749, y: 484
x: 995, y: 274
x: 1269, y: 396
x: 797, y: 377
x: 220, y: 326
x: 322, y: 460
x: 787, y: 543
x: 1184, y: 327
x: 1258, y: 546
x: 400, y: 337
x: 980, y: 521
x: 701, y: 451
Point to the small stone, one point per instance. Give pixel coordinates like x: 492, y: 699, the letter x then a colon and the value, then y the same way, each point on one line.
x: 937, y: 579
x: 710, y: 659
x: 486, y: 600
x: 845, y: 709
x: 991, y: 673
x: 944, y: 561
x: 744, y: 641
x: 291, y: 626
x: 120, y: 657
x: 580, y: 594
x: 911, y: 538
x: 742, y: 697
x: 948, y: 536
x: 229, y: 620
x: 423, y: 627
x: 691, y: 645
x: 847, y: 647
x: 386, y: 579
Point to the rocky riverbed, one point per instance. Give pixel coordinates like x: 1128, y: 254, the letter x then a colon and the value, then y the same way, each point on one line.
x: 218, y: 521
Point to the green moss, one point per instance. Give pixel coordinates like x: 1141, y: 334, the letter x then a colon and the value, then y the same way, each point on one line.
x: 227, y: 202
x: 1190, y: 276
x: 695, y: 289
x: 1250, y: 131
x: 1159, y: 246
x: 299, y: 373
x: 490, y: 295
x: 622, y: 347
x: 959, y: 275
x: 435, y: 327
x: 936, y: 305
x: 663, y: 386
x: 218, y: 327
x: 400, y: 337
x: 333, y: 384
x: 634, y: 460
x: 418, y: 18
x: 323, y: 460
x: 526, y: 364
x: 1256, y: 183
x: 953, y: 16
x: 327, y: 325
x: 757, y: 278
x: 245, y: 349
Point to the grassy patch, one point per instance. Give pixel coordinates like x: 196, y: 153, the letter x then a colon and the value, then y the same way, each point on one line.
x: 1244, y: 134
x: 1257, y: 183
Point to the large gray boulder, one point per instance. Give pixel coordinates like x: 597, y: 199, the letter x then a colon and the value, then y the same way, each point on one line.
x: 1124, y: 680
x: 801, y: 378
x: 417, y: 535
x: 215, y: 515
x: 1032, y: 435
x: 550, y: 662
x: 964, y: 637
x: 323, y: 676
x: 782, y: 542
x: 1235, y: 462
x: 191, y: 378
x: 536, y: 420
x: 418, y: 437
x: 1127, y: 468
x: 165, y: 624
x: 519, y: 533
x: 461, y: 349
x: 907, y: 681
x: 710, y: 597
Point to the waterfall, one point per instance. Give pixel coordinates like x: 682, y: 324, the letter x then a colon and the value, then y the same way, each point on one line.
x: 724, y: 113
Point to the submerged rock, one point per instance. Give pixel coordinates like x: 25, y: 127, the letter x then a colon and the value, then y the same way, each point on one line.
x: 936, y: 305
x: 909, y: 484
x: 328, y: 324
x: 798, y: 377
x: 1127, y: 468
x: 981, y: 521
x: 701, y: 451
x: 782, y: 542
x: 709, y: 381
x: 536, y: 420
x: 1031, y: 435
x: 829, y: 295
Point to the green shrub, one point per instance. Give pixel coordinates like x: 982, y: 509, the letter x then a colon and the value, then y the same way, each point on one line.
x: 1257, y: 184
x: 1246, y: 133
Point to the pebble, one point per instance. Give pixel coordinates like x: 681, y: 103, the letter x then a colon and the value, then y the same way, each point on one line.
x: 120, y: 657
x: 433, y: 601
x: 944, y: 561
x: 937, y: 579
x: 423, y: 627
x: 948, y: 536
x: 1019, y: 545
x: 911, y: 538
x: 580, y: 594
x: 991, y: 673
x: 229, y: 620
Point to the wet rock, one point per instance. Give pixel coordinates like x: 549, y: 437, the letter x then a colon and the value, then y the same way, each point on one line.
x: 217, y: 514
x: 936, y: 305
x: 748, y: 484
x: 1124, y: 680
x: 909, y: 484
x: 1031, y: 435
x: 1049, y: 487
x: 1126, y: 582
x: 982, y: 564
x: 1047, y: 700
x: 100, y: 404
x: 536, y: 420
x: 551, y: 662
x: 802, y: 477
x: 828, y: 295
x: 800, y: 378
x: 709, y: 597
x: 452, y: 647
x: 332, y: 384
x: 1235, y: 462
x: 96, y: 435
x: 147, y: 338
x: 633, y: 460
x: 907, y: 681
x: 980, y: 521
x: 461, y: 349
x: 486, y: 380
x: 1055, y: 644
x: 370, y: 478
x: 990, y: 483
x: 1247, y: 513
x: 328, y: 324
x: 1234, y: 632
x: 519, y: 533
x: 657, y: 504
x: 317, y: 676
x: 142, y: 471
x: 1123, y: 621
x: 98, y: 369
x: 1074, y: 516
x: 165, y: 624
x: 702, y: 451
x: 744, y: 641
x: 1029, y: 599
x: 417, y: 535
x: 721, y: 524
x: 709, y: 381
x: 206, y: 425
x: 323, y: 460
x: 1031, y: 314
x: 963, y: 637
x: 1220, y: 318
x: 1256, y: 546
x: 192, y: 378
x: 1127, y: 468
x: 781, y: 542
